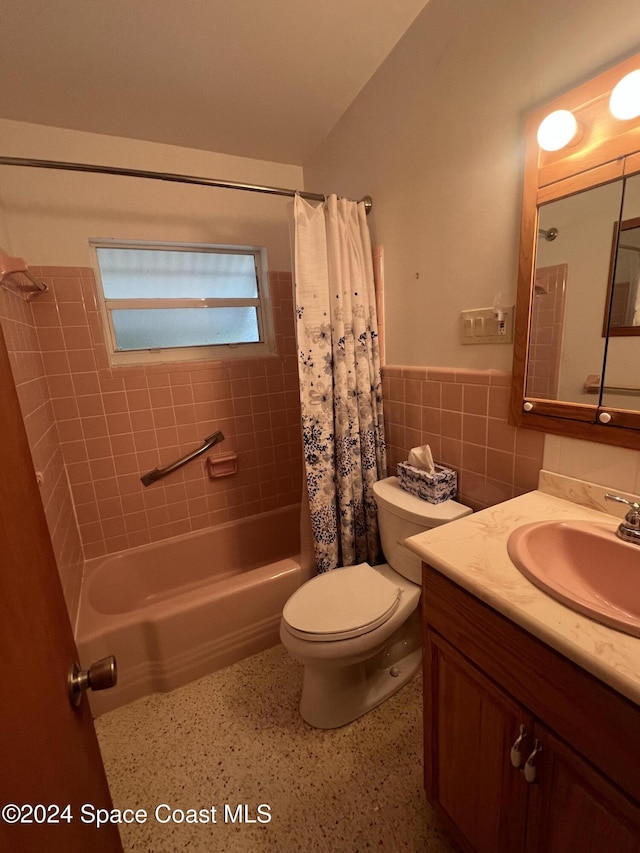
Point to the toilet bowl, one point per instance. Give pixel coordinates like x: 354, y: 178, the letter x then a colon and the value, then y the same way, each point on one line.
x: 356, y: 630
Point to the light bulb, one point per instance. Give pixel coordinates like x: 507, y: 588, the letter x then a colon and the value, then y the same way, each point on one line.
x: 624, y: 102
x: 557, y: 130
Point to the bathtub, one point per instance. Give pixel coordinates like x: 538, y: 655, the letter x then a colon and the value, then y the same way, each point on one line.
x: 182, y: 608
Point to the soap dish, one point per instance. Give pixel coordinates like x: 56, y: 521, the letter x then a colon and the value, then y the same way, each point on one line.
x: 222, y: 466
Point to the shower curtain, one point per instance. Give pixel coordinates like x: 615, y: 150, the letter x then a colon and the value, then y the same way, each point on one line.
x: 340, y: 385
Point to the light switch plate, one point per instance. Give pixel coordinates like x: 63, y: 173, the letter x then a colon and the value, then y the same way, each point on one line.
x: 480, y: 326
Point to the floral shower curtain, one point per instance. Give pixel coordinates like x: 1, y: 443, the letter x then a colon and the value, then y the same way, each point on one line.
x: 340, y: 386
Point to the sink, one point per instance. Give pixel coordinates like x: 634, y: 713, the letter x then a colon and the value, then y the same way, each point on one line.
x: 585, y: 566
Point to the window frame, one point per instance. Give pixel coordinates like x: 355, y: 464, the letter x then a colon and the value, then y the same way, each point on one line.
x: 198, y: 352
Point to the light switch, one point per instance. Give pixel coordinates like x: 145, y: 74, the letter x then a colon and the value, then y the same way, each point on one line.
x: 480, y: 326
x: 491, y: 326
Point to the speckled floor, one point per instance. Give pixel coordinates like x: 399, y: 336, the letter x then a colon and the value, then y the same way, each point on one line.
x: 235, y: 738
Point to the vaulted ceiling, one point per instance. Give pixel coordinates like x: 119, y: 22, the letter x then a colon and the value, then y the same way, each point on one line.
x: 266, y: 79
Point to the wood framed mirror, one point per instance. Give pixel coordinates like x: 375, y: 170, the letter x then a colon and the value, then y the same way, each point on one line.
x: 569, y: 376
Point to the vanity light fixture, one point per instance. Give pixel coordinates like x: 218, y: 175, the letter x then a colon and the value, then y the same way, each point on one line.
x: 557, y: 130
x: 624, y: 102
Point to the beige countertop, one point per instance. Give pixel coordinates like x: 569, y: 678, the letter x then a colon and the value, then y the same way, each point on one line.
x: 473, y: 552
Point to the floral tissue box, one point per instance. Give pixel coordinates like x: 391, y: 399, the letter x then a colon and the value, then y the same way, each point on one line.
x: 435, y: 488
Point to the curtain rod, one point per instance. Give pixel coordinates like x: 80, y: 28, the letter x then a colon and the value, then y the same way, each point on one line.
x: 166, y: 176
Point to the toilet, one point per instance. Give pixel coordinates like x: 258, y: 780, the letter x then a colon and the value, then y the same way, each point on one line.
x: 356, y: 630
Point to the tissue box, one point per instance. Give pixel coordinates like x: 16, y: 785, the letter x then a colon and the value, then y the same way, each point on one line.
x: 435, y: 488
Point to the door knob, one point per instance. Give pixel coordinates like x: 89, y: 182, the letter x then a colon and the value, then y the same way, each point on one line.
x: 100, y: 675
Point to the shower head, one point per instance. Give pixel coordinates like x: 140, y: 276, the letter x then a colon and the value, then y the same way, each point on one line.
x: 550, y: 234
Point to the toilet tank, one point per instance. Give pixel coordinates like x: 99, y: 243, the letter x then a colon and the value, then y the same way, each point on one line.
x: 400, y: 515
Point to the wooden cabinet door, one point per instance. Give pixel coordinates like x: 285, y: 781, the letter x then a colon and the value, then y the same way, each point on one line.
x: 470, y: 726
x: 573, y: 807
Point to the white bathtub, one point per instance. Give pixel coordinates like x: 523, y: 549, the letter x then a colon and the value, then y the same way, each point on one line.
x: 182, y: 608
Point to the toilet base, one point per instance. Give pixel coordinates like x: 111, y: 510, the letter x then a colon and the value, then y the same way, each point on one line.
x: 334, y: 696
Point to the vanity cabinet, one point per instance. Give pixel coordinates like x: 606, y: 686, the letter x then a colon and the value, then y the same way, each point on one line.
x: 489, y: 683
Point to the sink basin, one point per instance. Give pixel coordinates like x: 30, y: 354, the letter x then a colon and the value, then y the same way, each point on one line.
x: 585, y: 566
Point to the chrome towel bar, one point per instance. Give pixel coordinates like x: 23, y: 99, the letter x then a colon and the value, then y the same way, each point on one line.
x: 158, y: 473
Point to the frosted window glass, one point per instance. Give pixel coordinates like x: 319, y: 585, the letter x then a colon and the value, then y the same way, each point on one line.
x: 162, y: 328
x: 164, y: 274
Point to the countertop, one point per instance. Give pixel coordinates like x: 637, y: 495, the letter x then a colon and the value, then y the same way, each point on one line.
x: 472, y: 552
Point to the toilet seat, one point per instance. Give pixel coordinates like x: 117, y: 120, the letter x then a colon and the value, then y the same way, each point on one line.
x: 341, y: 604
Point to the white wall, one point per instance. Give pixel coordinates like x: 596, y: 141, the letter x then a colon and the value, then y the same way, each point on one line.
x: 50, y: 215
x: 614, y: 467
x: 436, y: 138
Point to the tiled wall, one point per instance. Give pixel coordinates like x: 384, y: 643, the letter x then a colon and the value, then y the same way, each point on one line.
x: 462, y: 415
x: 21, y: 338
x: 110, y: 425
x: 547, y: 323
x: 94, y: 429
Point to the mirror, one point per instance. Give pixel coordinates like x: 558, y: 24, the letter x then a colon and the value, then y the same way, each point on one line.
x: 577, y: 323
x: 622, y: 306
x: 570, y: 282
x: 621, y: 385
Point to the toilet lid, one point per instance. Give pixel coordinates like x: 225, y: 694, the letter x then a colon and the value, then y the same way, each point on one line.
x: 342, y: 603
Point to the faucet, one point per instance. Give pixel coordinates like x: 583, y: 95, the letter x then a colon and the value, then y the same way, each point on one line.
x: 629, y: 529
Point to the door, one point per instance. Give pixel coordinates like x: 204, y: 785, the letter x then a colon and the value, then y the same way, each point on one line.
x: 48, y: 750
x: 471, y: 729
x: 574, y: 807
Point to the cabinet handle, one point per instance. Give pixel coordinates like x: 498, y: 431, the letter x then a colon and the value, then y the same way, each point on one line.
x: 529, y: 765
x: 516, y: 755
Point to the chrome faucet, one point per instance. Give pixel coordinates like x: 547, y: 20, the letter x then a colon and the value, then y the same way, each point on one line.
x: 629, y: 529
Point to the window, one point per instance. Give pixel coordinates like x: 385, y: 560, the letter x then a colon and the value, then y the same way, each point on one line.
x: 182, y: 302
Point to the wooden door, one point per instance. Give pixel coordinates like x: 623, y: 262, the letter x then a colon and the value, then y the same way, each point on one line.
x: 470, y: 726
x: 48, y: 750
x: 574, y: 807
